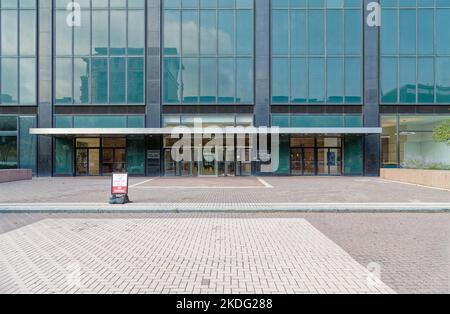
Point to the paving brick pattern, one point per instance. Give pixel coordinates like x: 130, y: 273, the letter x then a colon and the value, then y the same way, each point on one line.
x: 233, y: 191
x: 178, y: 255
x: 413, y: 249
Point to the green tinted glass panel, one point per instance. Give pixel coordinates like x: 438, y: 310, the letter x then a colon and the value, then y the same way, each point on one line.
x: 407, y: 80
x: 100, y: 122
x: 311, y: 121
x: 283, y: 168
x: 136, y: 80
x: 8, y: 123
x: 117, y: 80
x: 208, y: 52
x: 28, y: 144
x: 136, y: 155
x: 171, y: 80
x: 8, y: 152
x: 353, y: 121
x: 63, y: 156
x: 99, y: 80
x: 353, y: 155
x: 136, y: 121
x: 281, y: 121
x: 64, y: 122
x: 389, y: 87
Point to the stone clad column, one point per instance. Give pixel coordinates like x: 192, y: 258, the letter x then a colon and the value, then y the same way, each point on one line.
x: 44, y: 79
x: 372, y: 147
x: 262, y: 63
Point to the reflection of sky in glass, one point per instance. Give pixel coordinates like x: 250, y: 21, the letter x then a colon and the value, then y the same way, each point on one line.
x: 9, y: 80
x: 211, y: 71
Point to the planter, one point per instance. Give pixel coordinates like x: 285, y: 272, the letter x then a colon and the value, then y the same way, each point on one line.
x: 432, y: 178
x: 15, y: 175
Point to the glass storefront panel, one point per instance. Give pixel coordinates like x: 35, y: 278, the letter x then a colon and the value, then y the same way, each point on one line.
x: 136, y: 155
x: 284, y: 167
x: 309, y: 162
x: 170, y: 166
x: 412, y: 144
x: 8, y: 123
x: 353, y: 155
x: 64, y: 156
x: 416, y: 141
x: 296, y: 162
x: 389, y: 157
x: 28, y: 144
x: 94, y: 162
x: 87, y: 142
x: 82, y: 162
x: 8, y: 152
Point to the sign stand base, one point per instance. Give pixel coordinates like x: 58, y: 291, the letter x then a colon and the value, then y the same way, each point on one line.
x: 119, y: 199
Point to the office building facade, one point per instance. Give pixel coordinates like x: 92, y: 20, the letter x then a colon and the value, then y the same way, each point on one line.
x: 93, y: 87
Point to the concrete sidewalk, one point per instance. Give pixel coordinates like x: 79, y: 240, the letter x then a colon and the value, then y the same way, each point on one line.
x: 224, y: 194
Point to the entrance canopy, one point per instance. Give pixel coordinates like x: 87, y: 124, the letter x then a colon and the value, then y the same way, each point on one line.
x: 210, y: 130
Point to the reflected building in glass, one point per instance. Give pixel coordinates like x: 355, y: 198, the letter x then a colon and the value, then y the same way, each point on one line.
x: 349, y: 98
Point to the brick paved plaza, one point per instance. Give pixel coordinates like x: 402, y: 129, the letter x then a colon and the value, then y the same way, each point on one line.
x: 209, y: 251
x: 230, y: 190
x: 216, y: 253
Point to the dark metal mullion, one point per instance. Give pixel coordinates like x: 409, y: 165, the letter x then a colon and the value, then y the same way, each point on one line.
x: 1, y: 59
x: 18, y: 52
x: 398, y: 140
x: 108, y: 58
x: 126, y: 52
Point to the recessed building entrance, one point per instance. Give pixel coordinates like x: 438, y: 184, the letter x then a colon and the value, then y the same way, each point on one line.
x: 310, y: 156
x: 100, y: 156
x: 224, y: 161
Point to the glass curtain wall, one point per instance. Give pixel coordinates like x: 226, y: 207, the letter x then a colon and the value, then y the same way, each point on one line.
x: 208, y: 52
x: 415, y: 52
x: 316, y: 52
x: 101, y: 60
x: 18, y: 52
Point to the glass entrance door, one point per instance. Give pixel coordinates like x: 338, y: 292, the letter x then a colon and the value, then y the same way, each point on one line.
x: 330, y: 161
x: 94, y: 162
x: 170, y: 166
x: 88, y: 162
x: 297, y: 162
x: 303, y: 162
x: 309, y: 162
x: 82, y: 162
x: 335, y: 161
x: 208, y: 164
x: 100, y: 156
x: 226, y: 166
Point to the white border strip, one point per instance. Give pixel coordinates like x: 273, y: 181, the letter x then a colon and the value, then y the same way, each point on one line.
x: 212, y: 207
x: 140, y: 183
x: 415, y: 184
x: 265, y: 183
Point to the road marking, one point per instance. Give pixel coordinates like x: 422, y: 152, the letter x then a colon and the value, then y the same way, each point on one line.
x: 265, y: 183
x: 199, y: 187
x: 414, y: 184
x: 143, y: 182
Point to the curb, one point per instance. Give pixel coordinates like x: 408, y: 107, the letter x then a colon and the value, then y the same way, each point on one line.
x: 228, y: 208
